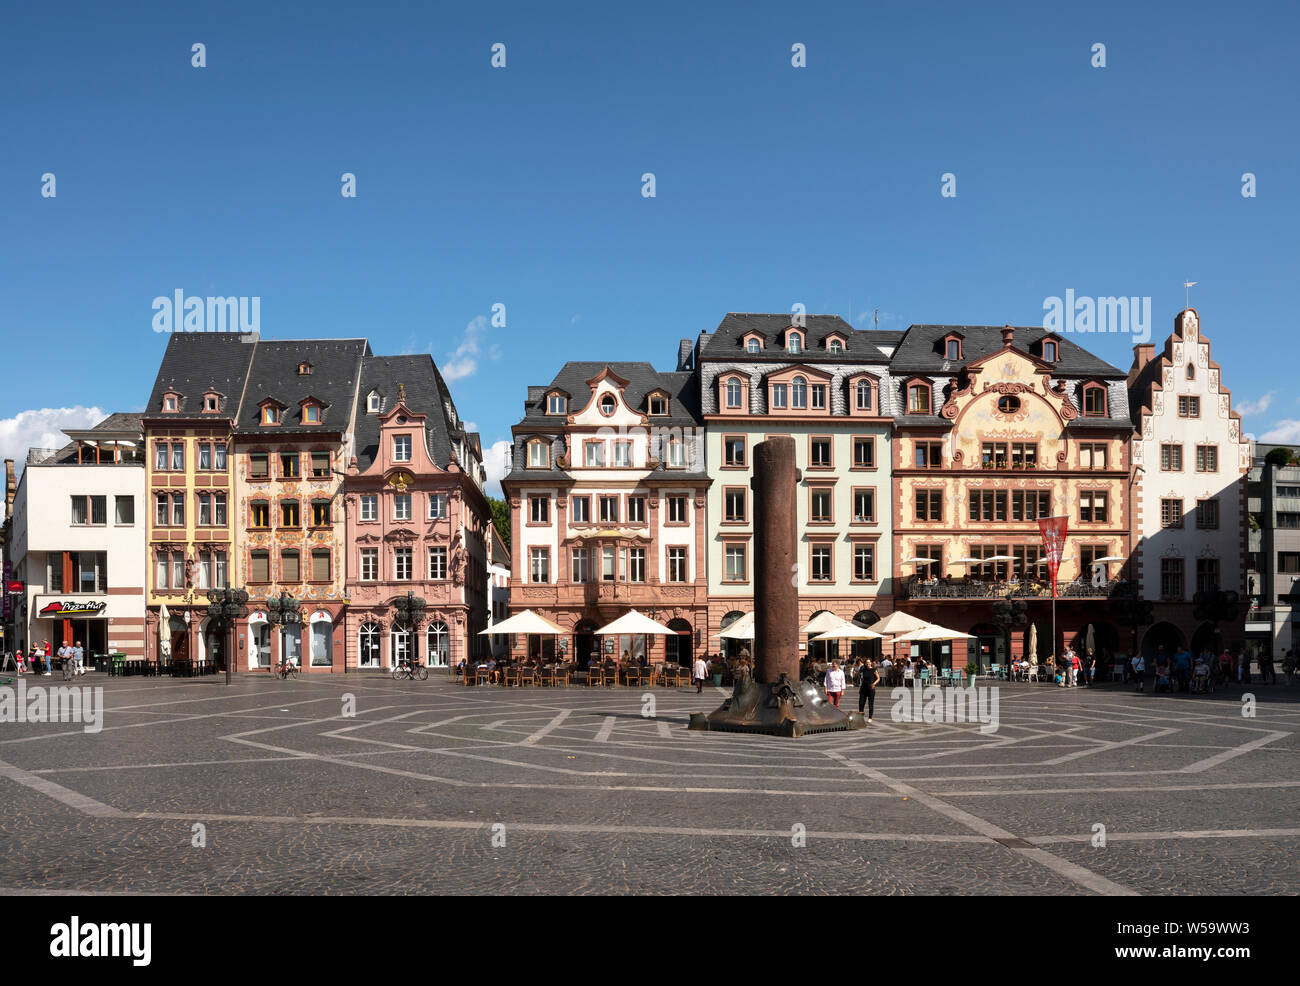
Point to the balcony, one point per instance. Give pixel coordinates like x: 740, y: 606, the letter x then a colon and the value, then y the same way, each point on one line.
x: 1030, y: 589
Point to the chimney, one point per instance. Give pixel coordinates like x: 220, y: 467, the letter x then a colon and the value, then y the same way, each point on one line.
x: 1008, y: 336
x: 1142, y: 355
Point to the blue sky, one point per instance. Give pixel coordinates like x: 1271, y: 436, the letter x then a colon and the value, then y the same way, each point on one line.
x: 521, y: 186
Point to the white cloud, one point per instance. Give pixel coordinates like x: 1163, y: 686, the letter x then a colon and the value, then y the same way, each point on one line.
x: 496, y: 460
x: 1250, y: 408
x: 1282, y: 433
x: 464, y: 361
x: 43, y: 429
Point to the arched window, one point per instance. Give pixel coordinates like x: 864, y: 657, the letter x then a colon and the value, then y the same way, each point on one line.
x: 954, y: 349
x: 835, y: 346
x: 753, y: 346
x: 863, y: 395
x: 794, y: 343
x: 1094, y: 400
x: 1191, y: 372
x: 1049, y: 352
x: 439, y: 645
x: 799, y: 392
x: 733, y: 392
x: 368, y: 645
x: 399, y: 646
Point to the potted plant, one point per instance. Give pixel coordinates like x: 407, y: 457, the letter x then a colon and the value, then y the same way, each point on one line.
x: 972, y: 669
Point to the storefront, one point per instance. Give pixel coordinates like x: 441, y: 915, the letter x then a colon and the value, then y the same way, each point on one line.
x: 71, y: 621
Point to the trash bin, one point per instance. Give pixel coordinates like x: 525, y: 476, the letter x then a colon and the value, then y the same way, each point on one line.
x: 116, y: 663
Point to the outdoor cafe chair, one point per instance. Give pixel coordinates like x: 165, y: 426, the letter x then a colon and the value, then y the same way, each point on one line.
x: 527, y: 676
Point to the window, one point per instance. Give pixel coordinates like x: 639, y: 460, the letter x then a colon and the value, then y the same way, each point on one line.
x: 794, y: 343
x: 1191, y: 372
x: 580, y: 511
x: 987, y: 505
x: 288, y: 465
x: 259, y: 566
x: 753, y: 345
x: 819, y: 453
x: 437, y: 506
x: 169, y: 403
x: 220, y: 574
x: 862, y: 395
x: 953, y: 349
x: 636, y: 564
x: 677, y: 564
x: 864, y: 506
x: 289, y: 566
x: 311, y: 414
x: 677, y: 510
x: 778, y: 396
x: 1171, y: 578
x: 178, y: 457
x: 320, y: 465
x: 733, y: 450
x: 1207, y: 574
x: 676, y: 454
x: 258, y: 465
x: 1008, y: 404
x: 579, y: 565
x: 658, y: 405
x: 1207, y: 515
x: 557, y: 404
x: 864, y: 453
x: 737, y: 569
x: 1288, y: 562
x: 1171, y: 458
x: 369, y: 506
x: 320, y: 513
x: 1031, y: 504
x: 1094, y: 401
x: 369, y: 564
x: 539, y: 510
x: 124, y: 510
x: 289, y: 513
x: 1189, y: 407
x: 205, y: 456
x: 219, y: 509
x: 820, y: 570
x: 259, y: 514
x: 160, y: 457
x: 733, y: 502
x: 1092, y: 507
x: 609, y: 510
x: 1049, y: 352
x: 161, y: 514
x: 819, y: 506
x: 219, y: 457
x: 799, y: 393
x: 622, y: 455
x: 401, y: 448
x: 372, y: 402
x: 1171, y: 513
x: 818, y: 392
x: 270, y: 415
x: 1207, y: 458
x: 178, y: 510
x: 539, y: 455
x: 437, y: 564
x: 1092, y: 455
x: 594, y: 454
x: 401, y: 506
x: 607, y: 405
x: 608, y: 562
x: 205, y: 510
x: 734, y: 393
x: 918, y: 398
x: 835, y: 347
x: 402, y: 564
x: 636, y: 510
x: 929, y: 455
x: 539, y: 565
x: 864, y: 562
x: 929, y: 504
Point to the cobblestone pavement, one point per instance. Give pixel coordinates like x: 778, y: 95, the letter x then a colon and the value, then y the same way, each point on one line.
x: 432, y: 787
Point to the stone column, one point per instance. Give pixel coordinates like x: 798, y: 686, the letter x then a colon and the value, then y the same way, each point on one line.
x: 776, y: 595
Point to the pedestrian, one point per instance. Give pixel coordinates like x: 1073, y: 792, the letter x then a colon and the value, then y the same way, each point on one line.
x: 1075, y: 667
x: 78, y: 659
x: 835, y: 684
x: 698, y: 671
x: 1243, y: 667
x: 1183, y: 668
x: 1090, y: 669
x: 1266, y: 667
x: 867, y: 689
x: 65, y: 653
x: 1139, y: 669
x: 1288, y: 666
x: 18, y: 656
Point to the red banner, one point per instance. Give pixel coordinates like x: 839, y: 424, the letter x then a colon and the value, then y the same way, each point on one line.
x: 1054, y: 530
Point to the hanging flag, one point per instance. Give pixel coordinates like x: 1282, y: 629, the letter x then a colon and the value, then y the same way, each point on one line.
x: 1054, y: 530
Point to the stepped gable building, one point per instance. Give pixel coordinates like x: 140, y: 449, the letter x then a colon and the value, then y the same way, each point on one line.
x: 995, y: 428
x: 607, y: 503
x: 292, y: 439
x: 418, y: 520
x: 1190, y: 468
x: 830, y: 387
x: 187, y: 425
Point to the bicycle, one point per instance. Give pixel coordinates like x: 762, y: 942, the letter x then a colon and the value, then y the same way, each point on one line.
x: 410, y: 671
x: 287, y: 670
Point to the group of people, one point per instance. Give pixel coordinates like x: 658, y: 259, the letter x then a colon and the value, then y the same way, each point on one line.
x: 865, y: 674
x: 496, y: 670
x: 1204, y: 672
x: 37, y: 661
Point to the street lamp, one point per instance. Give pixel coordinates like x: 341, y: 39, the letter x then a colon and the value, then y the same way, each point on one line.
x: 410, y: 610
x: 283, y: 611
x: 227, y: 605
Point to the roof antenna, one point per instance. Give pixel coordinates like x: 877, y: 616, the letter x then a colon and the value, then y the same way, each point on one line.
x: 877, y: 318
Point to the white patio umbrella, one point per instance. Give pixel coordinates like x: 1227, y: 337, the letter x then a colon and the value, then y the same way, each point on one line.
x: 164, y: 632
x: 633, y: 622
x: 525, y: 622
x: 966, y: 561
x: 741, y: 629
x: 932, y: 632
x: 850, y: 632
x: 1110, y: 558
x: 918, y: 560
x: 898, y: 622
x: 823, y: 622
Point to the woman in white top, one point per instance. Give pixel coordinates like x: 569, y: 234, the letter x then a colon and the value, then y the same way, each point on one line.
x: 834, y: 684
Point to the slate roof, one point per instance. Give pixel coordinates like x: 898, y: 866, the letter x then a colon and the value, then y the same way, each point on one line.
x: 921, y: 350
x: 727, y: 341
x: 336, y: 365
x: 426, y: 393
x: 193, y: 362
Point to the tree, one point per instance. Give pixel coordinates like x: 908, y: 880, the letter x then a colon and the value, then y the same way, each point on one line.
x: 501, y: 518
x: 1278, y: 456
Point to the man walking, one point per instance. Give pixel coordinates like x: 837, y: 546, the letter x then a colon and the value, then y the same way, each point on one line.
x: 834, y: 684
x: 867, y: 689
x: 698, y: 671
x: 78, y: 657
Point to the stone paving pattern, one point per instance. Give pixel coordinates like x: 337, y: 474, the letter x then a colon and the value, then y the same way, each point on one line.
x: 594, y: 798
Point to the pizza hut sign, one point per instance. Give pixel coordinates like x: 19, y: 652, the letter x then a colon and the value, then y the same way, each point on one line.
x: 65, y: 607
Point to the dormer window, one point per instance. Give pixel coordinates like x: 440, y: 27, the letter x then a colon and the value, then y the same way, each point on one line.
x: 753, y: 346
x: 211, y: 403
x: 658, y: 405
x: 835, y: 346
x: 1094, y: 400
x: 169, y: 403
x: 372, y: 402
x: 557, y: 404
x: 799, y: 392
x: 862, y: 400
x: 607, y: 405
x: 304, y: 369
x: 794, y: 342
x: 952, y: 348
x: 270, y: 415
x: 1050, y: 351
x: 311, y: 415
x: 919, y: 398
x: 539, y: 454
